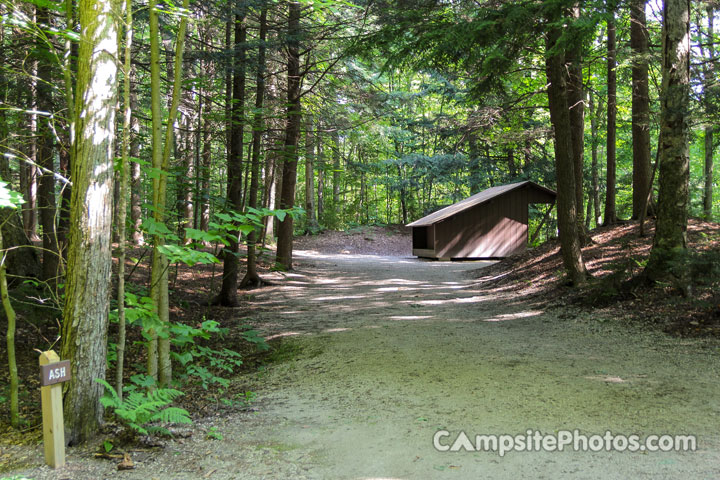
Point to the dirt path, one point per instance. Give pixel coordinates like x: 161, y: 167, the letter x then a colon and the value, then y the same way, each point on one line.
x: 390, y: 350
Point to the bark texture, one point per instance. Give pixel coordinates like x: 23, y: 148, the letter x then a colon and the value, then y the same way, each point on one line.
x: 85, y: 317
x: 708, y: 85
x: 576, y: 103
x: 564, y: 167
x: 674, y: 162
x: 283, y: 257
x: 251, y: 276
x: 640, y: 105
x: 611, y: 178
x: 231, y: 263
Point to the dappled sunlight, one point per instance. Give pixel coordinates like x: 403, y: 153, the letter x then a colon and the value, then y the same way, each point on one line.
x: 370, y: 258
x: 283, y: 334
x: 474, y: 299
x: 338, y: 297
x: 514, y: 316
x: 337, y: 293
x: 410, y: 317
x: 607, y: 378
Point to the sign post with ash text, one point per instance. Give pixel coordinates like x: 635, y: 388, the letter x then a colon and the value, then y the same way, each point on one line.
x: 52, y: 373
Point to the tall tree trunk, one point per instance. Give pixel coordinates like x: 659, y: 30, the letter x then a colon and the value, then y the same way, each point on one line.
x: 135, y: 171
x: 158, y: 360
x: 610, y: 207
x: 320, y: 168
x: 474, y: 153
x: 674, y: 172
x: 184, y: 198
x: 45, y: 153
x: 283, y: 256
x: 311, y: 220
x: 85, y: 317
x: 251, y: 276
x: 205, y: 176
x: 564, y: 165
x: 9, y: 338
x: 640, y: 105
x: 231, y: 263
x: 708, y: 80
x: 335, y: 137
x: 5, y: 173
x: 595, y: 180
x: 28, y: 171
x: 576, y: 103
x: 122, y: 207
x: 67, y: 155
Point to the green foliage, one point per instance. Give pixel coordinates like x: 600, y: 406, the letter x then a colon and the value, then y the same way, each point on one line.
x: 205, y: 365
x: 242, y: 400
x: 8, y: 197
x: 213, y: 434
x: 139, y: 310
x: 144, y: 409
x: 187, y: 255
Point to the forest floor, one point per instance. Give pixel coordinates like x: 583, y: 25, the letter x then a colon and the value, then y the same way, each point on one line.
x: 375, y: 351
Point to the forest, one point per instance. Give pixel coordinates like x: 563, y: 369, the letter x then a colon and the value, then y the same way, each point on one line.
x: 151, y: 148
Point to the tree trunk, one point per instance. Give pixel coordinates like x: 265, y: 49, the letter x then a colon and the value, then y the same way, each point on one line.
x: 610, y: 207
x: 564, y: 165
x: 320, y: 167
x: 595, y: 181
x: 4, y: 128
x: 283, y: 257
x: 640, y: 105
x: 85, y: 317
x: 335, y: 136
x: 231, y: 262
x: 311, y: 220
x: 28, y: 177
x: 185, y: 207
x: 46, y: 141
x: 67, y: 155
x: 135, y: 171
x: 9, y: 339
x: 122, y: 207
x: 576, y: 103
x: 251, y: 276
x: 708, y: 80
x: 158, y: 360
x: 205, y: 176
x: 673, y: 196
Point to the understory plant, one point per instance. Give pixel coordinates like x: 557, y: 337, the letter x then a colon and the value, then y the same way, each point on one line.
x: 206, y: 365
x: 144, y: 409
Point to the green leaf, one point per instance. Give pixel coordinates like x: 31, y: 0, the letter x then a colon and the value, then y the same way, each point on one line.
x: 186, y: 255
x: 200, y: 236
x: 9, y: 198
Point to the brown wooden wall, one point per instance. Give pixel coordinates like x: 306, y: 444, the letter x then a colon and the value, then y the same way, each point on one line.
x: 497, y: 228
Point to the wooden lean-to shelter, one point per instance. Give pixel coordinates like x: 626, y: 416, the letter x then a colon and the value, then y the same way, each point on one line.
x: 490, y: 224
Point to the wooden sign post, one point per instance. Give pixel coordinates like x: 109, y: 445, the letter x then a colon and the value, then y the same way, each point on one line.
x: 52, y: 373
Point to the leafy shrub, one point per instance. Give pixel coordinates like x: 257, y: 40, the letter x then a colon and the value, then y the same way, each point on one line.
x: 204, y: 363
x: 144, y: 408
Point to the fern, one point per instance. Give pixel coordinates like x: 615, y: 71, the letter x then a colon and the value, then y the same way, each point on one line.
x: 145, y: 410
